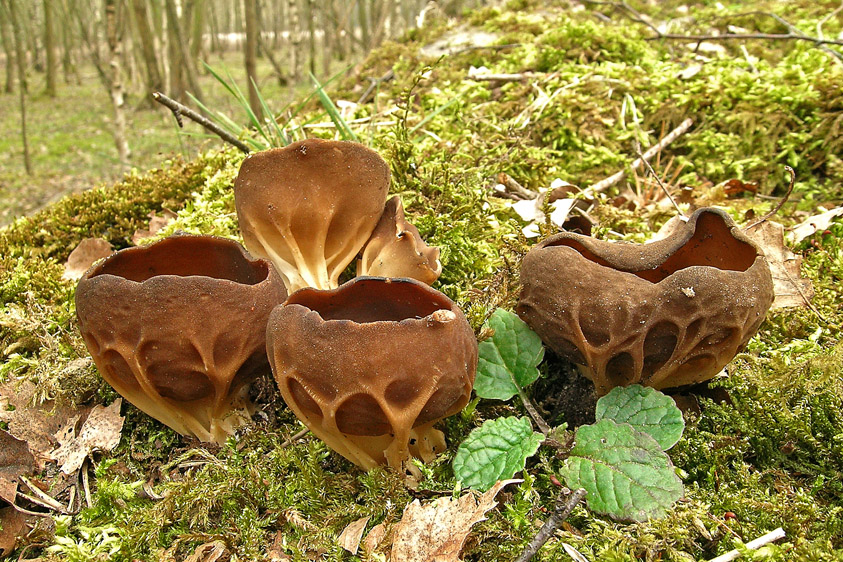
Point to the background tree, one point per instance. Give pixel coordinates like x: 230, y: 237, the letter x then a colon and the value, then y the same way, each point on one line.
x: 49, y: 49
x: 250, y: 51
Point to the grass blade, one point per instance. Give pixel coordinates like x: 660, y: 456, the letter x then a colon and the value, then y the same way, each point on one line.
x: 342, y: 126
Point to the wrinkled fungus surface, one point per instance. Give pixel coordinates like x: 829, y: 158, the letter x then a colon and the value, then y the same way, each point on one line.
x: 310, y: 207
x: 665, y: 314
x: 178, y: 329
x: 371, y: 366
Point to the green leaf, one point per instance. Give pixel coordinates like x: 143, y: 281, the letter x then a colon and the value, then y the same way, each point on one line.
x: 495, y: 451
x: 509, y: 358
x: 646, y: 409
x: 625, y: 472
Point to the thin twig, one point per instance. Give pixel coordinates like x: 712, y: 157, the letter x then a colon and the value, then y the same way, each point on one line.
x: 752, y: 545
x: 639, y: 162
x: 562, y: 511
x: 659, y: 180
x: 180, y: 109
x: 512, y: 186
x: 294, y: 438
x: 780, y: 204
x: 517, y: 77
x: 39, y: 497
x: 534, y: 413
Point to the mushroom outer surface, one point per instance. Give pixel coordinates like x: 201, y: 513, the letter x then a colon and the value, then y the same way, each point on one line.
x: 397, y: 250
x: 664, y: 314
x: 310, y: 207
x: 370, y: 366
x: 178, y: 328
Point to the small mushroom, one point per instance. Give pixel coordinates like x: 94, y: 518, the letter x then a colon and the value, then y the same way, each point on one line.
x: 664, y: 314
x: 178, y: 328
x: 310, y: 207
x: 397, y: 250
x: 371, y: 366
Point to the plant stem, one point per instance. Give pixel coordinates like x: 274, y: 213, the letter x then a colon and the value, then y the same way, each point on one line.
x: 179, y: 109
x: 543, y: 425
x: 562, y: 511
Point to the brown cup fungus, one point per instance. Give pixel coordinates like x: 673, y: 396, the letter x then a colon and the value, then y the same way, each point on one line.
x: 371, y: 366
x: 395, y: 249
x: 178, y: 328
x: 664, y: 314
x: 310, y: 207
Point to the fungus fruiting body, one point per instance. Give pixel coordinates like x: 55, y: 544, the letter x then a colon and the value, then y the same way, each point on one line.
x: 178, y: 329
x: 664, y: 314
x: 310, y: 207
x: 396, y: 249
x: 371, y: 366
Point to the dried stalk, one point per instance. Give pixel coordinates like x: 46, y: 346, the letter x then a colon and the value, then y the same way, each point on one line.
x: 752, y: 545
x: 562, y: 511
x: 647, y: 156
x: 180, y: 110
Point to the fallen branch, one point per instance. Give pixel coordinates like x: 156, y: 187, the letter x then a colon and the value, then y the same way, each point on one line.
x: 752, y: 545
x: 562, y: 511
x: 781, y: 202
x: 180, y: 110
x: 647, y: 156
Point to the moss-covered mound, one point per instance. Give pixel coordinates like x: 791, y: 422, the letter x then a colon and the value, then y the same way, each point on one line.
x: 592, y: 89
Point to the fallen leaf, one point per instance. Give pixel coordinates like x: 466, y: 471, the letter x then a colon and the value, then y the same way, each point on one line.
x: 12, y: 524
x: 276, y: 551
x: 156, y: 223
x: 208, y: 552
x: 100, y: 431
x: 84, y: 256
x: 790, y: 288
x: 350, y: 537
x: 374, y: 538
x: 35, y: 424
x: 816, y: 223
x: 15, y: 460
x: 575, y: 554
x: 436, y: 532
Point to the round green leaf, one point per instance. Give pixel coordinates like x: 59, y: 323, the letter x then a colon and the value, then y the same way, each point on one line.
x: 646, y: 409
x: 509, y: 358
x: 625, y: 472
x: 495, y: 451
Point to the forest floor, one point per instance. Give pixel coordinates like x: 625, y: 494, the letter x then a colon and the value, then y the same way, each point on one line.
x: 70, y: 140
x: 580, y: 89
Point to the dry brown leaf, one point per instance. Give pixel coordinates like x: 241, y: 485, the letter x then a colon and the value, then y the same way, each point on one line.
x: 84, y: 255
x: 209, y: 552
x: 374, y: 538
x: 12, y: 525
x: 34, y: 424
x: 276, y: 551
x: 436, y: 532
x: 156, y: 223
x: 814, y: 224
x: 15, y: 460
x: 100, y: 431
x: 790, y: 288
x: 350, y: 537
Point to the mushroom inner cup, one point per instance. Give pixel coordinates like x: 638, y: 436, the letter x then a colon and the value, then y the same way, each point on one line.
x: 185, y: 257
x: 712, y: 245
x: 372, y: 300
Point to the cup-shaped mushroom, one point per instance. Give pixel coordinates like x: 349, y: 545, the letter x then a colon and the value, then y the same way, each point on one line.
x: 178, y: 328
x: 663, y: 314
x: 397, y: 250
x: 371, y: 366
x: 309, y: 207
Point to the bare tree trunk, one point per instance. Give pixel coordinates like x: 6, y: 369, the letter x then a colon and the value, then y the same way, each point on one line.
x: 115, y: 86
x: 214, y: 28
x: 20, y: 59
x: 363, y: 17
x: 311, y: 31
x: 250, y: 52
x: 197, y: 28
x: 295, y: 39
x: 180, y: 54
x: 50, y: 48
x: 8, y: 48
x: 147, y: 41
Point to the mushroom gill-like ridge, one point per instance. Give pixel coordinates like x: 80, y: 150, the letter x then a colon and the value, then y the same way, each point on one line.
x: 371, y: 366
x: 178, y: 329
x: 664, y: 314
x: 310, y: 207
